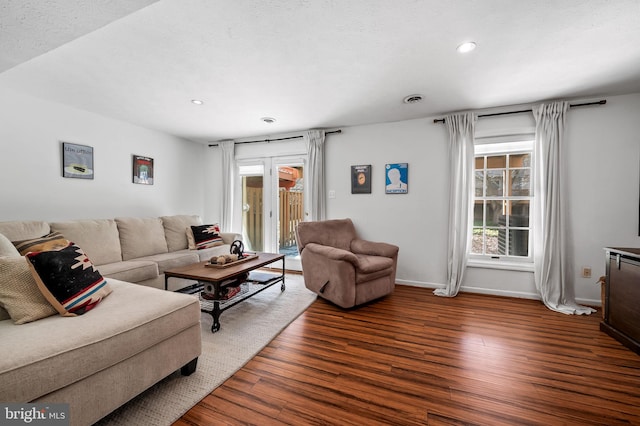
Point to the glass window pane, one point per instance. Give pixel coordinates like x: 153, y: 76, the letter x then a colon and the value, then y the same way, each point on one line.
x: 520, y: 184
x: 477, y: 213
x: 479, y: 163
x: 492, y: 239
x: 477, y: 241
x: 497, y: 162
x: 518, y: 213
x: 479, y: 183
x: 518, y: 242
x: 495, y: 183
x: 520, y: 160
x: 252, y: 219
x: 495, y: 214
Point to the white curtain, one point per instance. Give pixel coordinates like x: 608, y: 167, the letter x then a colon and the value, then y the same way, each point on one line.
x: 228, y: 184
x: 552, y: 270
x: 461, y: 186
x: 315, y: 181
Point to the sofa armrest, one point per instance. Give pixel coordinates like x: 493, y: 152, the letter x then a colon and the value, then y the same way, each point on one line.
x: 229, y: 237
x: 372, y: 248
x: 332, y: 253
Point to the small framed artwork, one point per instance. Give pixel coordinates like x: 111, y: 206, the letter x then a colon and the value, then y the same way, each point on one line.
x: 142, y: 170
x: 361, y: 179
x: 396, y: 178
x: 77, y: 161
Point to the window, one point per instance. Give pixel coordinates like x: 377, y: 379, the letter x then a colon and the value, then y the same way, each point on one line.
x: 502, y: 202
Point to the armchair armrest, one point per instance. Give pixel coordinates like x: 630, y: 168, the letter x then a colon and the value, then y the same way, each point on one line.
x: 373, y: 248
x: 332, y: 253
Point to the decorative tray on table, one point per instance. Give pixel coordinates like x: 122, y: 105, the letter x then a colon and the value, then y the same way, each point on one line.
x: 229, y: 260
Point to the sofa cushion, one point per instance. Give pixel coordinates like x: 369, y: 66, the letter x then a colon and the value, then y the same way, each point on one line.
x: 7, y: 249
x: 141, y: 237
x: 172, y: 260
x: 19, y: 293
x: 119, y: 328
x: 68, y: 280
x: 175, y: 230
x: 133, y: 271
x: 51, y: 241
x: 206, y: 236
x: 98, y: 238
x: 22, y: 230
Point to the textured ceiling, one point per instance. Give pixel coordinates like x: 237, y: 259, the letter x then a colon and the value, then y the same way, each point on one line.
x: 312, y: 63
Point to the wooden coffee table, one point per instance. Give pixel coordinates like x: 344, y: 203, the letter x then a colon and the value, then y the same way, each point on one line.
x: 221, y: 277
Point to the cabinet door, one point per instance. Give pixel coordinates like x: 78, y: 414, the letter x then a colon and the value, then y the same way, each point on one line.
x: 624, y: 296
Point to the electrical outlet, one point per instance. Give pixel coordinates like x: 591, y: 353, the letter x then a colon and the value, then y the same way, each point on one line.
x: 332, y: 193
x: 586, y: 272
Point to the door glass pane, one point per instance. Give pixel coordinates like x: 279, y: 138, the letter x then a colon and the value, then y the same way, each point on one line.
x: 252, y: 207
x: 290, y: 207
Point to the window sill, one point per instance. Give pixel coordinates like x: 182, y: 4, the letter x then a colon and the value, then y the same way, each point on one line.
x: 500, y: 264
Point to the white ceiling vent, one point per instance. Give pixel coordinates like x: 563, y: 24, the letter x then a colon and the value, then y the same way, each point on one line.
x: 412, y: 99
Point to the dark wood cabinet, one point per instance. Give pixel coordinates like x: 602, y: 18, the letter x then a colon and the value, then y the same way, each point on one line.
x: 622, y: 296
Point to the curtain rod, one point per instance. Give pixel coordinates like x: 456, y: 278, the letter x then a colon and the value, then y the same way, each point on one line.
x: 601, y: 102
x: 278, y: 139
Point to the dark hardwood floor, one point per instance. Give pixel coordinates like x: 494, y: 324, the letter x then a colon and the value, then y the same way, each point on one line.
x: 416, y: 359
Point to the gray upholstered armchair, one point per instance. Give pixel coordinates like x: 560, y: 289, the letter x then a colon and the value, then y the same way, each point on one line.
x: 342, y: 268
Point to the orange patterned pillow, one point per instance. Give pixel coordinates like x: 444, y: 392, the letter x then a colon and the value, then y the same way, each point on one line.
x: 52, y: 241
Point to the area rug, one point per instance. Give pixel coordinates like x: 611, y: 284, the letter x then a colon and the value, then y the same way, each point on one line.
x: 245, y: 329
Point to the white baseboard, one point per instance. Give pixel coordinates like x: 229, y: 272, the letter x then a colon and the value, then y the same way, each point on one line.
x: 494, y: 292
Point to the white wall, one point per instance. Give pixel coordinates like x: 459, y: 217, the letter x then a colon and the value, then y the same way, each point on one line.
x: 32, y: 186
x: 603, y: 145
x: 416, y: 221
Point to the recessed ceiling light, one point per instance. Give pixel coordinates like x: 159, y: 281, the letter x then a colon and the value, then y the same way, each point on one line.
x: 466, y: 47
x: 268, y: 120
x: 412, y: 99
x: 197, y: 101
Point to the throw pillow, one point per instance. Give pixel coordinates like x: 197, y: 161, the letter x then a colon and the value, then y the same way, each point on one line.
x: 52, y: 241
x: 206, y: 236
x: 7, y: 248
x: 68, y: 279
x: 19, y: 293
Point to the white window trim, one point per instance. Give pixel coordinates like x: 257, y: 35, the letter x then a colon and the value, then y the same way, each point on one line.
x: 508, y: 265
x: 505, y: 144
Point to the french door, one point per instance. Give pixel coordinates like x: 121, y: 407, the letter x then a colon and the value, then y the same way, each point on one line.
x: 272, y: 205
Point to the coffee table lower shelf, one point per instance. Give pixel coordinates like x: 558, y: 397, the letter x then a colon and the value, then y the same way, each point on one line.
x: 217, y: 279
x: 216, y: 307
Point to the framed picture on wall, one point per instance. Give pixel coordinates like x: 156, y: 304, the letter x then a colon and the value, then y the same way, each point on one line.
x: 396, y: 178
x: 142, y: 170
x: 361, y: 179
x: 77, y: 161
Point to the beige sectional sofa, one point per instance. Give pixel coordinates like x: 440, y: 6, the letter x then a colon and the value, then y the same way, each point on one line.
x: 131, y: 249
x: 133, y: 338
